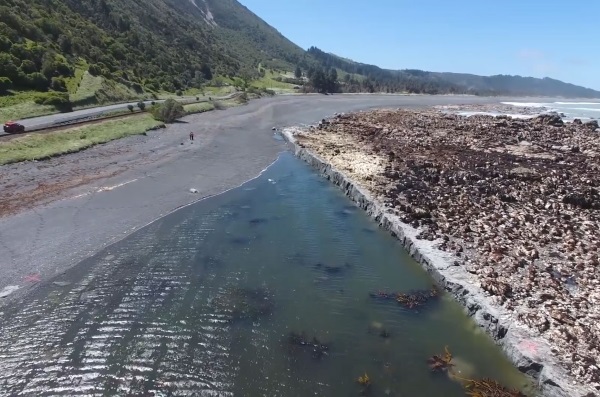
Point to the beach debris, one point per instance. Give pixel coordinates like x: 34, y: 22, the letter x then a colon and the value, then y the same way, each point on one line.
x: 441, y: 362
x: 193, y: 190
x: 489, y: 388
x: 61, y: 283
x: 313, y: 345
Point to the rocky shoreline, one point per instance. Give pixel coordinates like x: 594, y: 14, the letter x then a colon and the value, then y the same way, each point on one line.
x: 500, y: 211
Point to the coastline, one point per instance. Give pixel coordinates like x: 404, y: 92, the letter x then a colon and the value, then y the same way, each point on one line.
x: 69, y: 207
x: 528, y: 352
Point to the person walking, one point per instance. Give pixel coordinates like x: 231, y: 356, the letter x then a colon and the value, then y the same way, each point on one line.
x: 191, y: 135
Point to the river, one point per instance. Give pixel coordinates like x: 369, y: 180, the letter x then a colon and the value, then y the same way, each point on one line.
x: 218, y: 298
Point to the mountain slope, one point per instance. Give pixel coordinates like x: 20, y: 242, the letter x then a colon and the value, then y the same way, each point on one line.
x: 151, y: 44
x: 419, y: 81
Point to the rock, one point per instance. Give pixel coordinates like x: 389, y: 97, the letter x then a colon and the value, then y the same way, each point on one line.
x: 192, y: 190
x: 592, y: 124
x: 549, y: 119
x: 467, y: 182
x: 577, y: 121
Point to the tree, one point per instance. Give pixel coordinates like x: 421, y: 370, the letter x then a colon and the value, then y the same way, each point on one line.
x: 141, y: 106
x: 205, y: 69
x: 298, y: 72
x: 130, y: 107
x: 5, y: 84
x: 58, y: 84
x: 8, y: 67
x: 37, y: 81
x: 28, y: 66
x: 95, y: 70
x: 169, y: 111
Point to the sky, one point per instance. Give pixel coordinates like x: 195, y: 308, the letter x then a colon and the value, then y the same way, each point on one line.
x: 550, y: 38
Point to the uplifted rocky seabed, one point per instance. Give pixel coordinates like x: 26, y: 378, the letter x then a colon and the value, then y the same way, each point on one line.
x: 516, y: 202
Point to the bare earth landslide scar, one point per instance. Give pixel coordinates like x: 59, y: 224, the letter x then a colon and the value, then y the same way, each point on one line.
x: 504, y: 213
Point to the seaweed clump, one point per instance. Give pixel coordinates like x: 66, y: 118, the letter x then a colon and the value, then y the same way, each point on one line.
x: 490, y: 388
x: 409, y: 300
x: 245, y: 303
x: 317, y: 348
x: 441, y: 362
x: 365, y: 383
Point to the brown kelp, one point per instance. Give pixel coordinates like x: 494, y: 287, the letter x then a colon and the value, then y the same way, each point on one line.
x: 410, y: 300
x: 441, y: 362
x: 489, y: 388
x: 245, y: 303
x: 313, y: 345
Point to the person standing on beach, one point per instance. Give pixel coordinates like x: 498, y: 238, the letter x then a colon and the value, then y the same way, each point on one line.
x: 191, y: 135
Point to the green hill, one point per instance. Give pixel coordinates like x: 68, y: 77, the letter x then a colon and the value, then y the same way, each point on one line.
x: 108, y: 50
x: 86, y: 52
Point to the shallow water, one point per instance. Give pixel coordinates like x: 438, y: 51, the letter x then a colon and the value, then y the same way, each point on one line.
x: 202, y: 302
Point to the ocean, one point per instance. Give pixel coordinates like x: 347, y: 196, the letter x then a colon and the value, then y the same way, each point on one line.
x: 572, y: 110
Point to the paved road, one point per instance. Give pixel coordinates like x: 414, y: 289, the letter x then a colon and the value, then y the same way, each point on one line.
x: 153, y: 176
x: 59, y: 118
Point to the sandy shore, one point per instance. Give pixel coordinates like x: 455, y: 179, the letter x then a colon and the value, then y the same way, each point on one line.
x: 55, y: 213
x: 501, y: 211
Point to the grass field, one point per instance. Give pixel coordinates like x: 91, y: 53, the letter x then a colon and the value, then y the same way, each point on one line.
x: 87, y: 87
x: 24, y: 110
x: 198, y: 107
x: 43, y: 146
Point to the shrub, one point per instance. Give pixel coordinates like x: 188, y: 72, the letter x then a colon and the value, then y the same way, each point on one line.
x: 5, y: 84
x: 141, y: 105
x: 178, y: 93
x: 95, y: 70
x: 130, y: 107
x: 169, y: 111
x: 58, y: 84
x: 59, y: 100
x: 37, y: 81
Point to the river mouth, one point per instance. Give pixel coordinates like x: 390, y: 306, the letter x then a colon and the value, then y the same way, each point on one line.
x: 226, y: 296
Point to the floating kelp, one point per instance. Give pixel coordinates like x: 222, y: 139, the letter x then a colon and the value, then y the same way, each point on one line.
x: 411, y: 299
x: 365, y: 384
x: 377, y: 328
x: 331, y: 269
x: 441, y: 363
x: 317, y: 348
x: 364, y: 380
x: 258, y: 221
x: 245, y: 303
x: 489, y: 388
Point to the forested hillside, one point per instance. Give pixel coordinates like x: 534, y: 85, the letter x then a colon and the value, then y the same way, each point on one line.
x: 361, y: 77
x: 154, y: 44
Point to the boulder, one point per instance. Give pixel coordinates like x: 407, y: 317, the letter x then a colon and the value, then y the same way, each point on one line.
x: 549, y: 119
